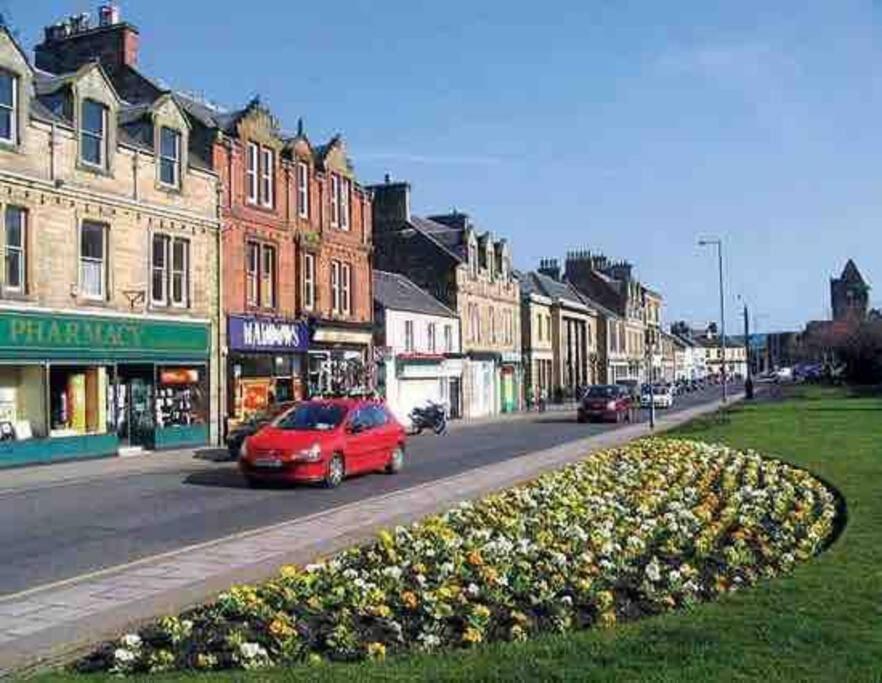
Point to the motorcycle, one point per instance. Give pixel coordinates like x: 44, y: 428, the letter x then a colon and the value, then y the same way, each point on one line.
x: 431, y: 416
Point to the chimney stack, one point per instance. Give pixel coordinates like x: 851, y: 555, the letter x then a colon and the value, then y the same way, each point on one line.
x: 550, y: 267
x: 68, y: 45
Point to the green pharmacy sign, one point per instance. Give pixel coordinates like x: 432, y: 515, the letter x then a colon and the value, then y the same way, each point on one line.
x: 79, y: 337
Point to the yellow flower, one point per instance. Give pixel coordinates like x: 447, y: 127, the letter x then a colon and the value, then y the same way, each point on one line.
x: 409, y: 599
x: 472, y: 635
x: 376, y: 651
x: 607, y: 619
x: 281, y: 627
x: 382, y: 611
x: 481, y: 611
x: 289, y: 571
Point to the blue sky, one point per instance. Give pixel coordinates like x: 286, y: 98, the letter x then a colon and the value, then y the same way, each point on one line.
x: 628, y: 127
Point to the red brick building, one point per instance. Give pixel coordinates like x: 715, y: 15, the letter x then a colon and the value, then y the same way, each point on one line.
x: 295, y: 263
x: 296, y: 260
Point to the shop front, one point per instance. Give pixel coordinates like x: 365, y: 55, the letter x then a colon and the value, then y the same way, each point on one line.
x: 74, y: 385
x: 412, y: 380
x: 510, y: 380
x: 338, y: 360
x: 266, y: 363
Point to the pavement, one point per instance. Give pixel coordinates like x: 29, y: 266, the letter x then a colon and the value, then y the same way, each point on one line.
x: 93, y: 552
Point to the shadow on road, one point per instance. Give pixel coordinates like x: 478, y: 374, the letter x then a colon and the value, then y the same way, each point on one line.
x: 212, y: 454
x: 225, y: 478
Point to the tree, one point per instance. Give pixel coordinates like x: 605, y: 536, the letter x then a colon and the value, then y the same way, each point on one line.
x: 861, y: 351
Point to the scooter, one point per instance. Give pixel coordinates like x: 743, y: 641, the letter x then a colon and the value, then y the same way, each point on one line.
x: 431, y: 416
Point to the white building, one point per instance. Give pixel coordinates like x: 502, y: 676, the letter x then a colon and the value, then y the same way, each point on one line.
x: 418, y: 347
x: 690, y: 359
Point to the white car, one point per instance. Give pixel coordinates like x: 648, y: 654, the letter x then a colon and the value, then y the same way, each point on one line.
x: 662, y: 397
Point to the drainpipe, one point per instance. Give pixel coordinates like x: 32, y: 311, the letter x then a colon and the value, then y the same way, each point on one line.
x: 221, y: 370
x: 52, y: 143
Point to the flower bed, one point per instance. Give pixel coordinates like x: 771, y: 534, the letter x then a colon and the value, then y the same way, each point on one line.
x: 629, y: 532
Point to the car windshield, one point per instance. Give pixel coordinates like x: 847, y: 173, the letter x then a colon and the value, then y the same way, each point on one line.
x: 271, y: 412
x: 312, y: 417
x: 602, y: 392
x: 660, y: 390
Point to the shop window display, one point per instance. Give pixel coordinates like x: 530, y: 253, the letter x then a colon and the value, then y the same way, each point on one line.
x: 22, y: 403
x: 80, y: 400
x: 181, y: 397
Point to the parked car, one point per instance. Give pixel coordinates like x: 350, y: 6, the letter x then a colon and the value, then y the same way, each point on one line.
x: 325, y: 441
x: 661, y: 396
x: 610, y: 402
x: 253, y: 424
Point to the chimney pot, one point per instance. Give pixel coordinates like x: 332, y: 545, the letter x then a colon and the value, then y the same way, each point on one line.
x: 387, y: 178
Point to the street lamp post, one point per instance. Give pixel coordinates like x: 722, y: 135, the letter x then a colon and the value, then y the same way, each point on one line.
x: 718, y: 243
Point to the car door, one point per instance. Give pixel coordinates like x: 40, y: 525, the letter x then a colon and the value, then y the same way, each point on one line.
x: 359, y: 441
x: 385, y: 436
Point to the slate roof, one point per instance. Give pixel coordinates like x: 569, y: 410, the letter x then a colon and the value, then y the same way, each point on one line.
x: 851, y: 273
x: 451, y: 240
x: 396, y: 292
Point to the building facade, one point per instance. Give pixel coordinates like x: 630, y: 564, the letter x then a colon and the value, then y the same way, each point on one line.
x: 574, y: 331
x: 418, y: 344
x: 295, y: 228
x: 470, y: 273
x: 537, y: 341
x: 109, y: 302
x: 633, y: 313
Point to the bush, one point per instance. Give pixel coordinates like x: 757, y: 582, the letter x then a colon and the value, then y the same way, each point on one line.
x: 629, y: 532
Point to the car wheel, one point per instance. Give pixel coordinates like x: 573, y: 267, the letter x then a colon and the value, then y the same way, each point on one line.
x: 255, y: 483
x: 581, y: 419
x: 396, y: 461
x: 335, y: 472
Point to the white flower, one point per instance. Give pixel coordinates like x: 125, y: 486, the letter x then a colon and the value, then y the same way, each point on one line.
x: 653, y: 571
x: 131, y: 640
x: 392, y: 572
x: 473, y: 590
x: 252, y: 651
x: 123, y: 656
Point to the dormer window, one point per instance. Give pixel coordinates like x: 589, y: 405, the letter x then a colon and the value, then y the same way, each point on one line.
x: 169, y: 156
x: 8, y: 107
x: 93, y: 135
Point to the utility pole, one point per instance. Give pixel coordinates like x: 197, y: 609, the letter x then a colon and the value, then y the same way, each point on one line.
x: 718, y: 243
x: 748, y: 382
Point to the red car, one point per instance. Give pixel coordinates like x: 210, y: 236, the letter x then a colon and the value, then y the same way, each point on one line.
x: 605, y: 402
x: 324, y: 441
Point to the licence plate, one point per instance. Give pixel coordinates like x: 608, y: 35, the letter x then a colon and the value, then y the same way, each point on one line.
x: 270, y: 463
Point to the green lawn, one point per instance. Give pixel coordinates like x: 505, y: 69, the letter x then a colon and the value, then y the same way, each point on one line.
x: 823, y: 622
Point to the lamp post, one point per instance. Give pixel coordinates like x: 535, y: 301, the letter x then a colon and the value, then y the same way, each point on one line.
x: 718, y: 243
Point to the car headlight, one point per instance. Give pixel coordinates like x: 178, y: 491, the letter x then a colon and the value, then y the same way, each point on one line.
x: 311, y: 454
x: 611, y: 405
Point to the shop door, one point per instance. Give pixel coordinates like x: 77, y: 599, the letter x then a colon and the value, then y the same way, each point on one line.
x: 455, y: 398
x: 135, y: 405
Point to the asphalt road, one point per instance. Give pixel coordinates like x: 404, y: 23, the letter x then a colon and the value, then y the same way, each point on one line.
x: 58, y: 532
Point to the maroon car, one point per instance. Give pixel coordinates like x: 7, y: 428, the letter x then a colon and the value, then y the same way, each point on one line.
x: 605, y: 402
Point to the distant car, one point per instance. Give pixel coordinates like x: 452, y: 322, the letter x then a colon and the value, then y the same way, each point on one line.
x: 631, y: 386
x: 253, y: 424
x: 325, y: 441
x: 661, y: 396
x: 606, y: 402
